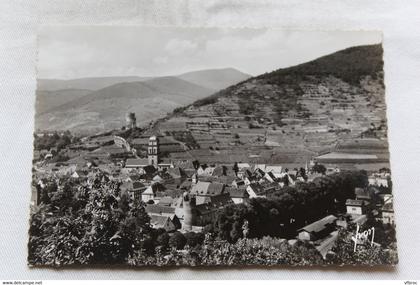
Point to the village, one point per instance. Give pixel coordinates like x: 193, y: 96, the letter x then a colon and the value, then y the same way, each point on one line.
x: 185, y: 195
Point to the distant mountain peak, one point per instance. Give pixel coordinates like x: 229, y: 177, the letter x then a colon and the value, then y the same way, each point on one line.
x: 150, y: 98
x: 215, y: 79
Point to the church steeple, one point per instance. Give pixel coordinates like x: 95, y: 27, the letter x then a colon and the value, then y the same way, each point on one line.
x: 153, y: 151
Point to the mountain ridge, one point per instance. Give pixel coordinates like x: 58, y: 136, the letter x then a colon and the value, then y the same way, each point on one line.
x: 305, y: 108
x: 99, y: 82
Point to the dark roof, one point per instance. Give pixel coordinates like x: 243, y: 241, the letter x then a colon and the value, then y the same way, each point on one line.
x: 135, y: 177
x: 185, y: 164
x: 133, y: 186
x: 239, y: 181
x: 212, y: 203
x: 361, y: 193
x: 215, y: 188
x: 176, y: 172
x: 248, y: 173
x: 159, y: 209
x: 271, y: 175
x: 138, y: 185
x: 237, y: 192
x: 189, y: 172
x: 186, y: 184
x: 137, y: 162
x: 259, y: 172
x: 388, y: 207
x: 269, y: 186
x: 257, y: 188
x: 158, y: 221
x: 171, y: 193
x: 158, y: 187
x: 320, y: 225
x: 219, y: 171
x: 207, y: 188
x: 351, y: 202
x: 218, y: 179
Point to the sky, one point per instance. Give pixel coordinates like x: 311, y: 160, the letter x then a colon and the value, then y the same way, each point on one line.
x: 66, y: 52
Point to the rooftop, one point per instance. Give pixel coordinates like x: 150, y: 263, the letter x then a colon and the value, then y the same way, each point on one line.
x: 351, y: 202
x: 319, y: 225
x: 136, y: 162
x: 207, y: 188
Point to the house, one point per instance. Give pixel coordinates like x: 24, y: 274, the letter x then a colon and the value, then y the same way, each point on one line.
x: 133, y: 177
x: 243, y: 165
x: 269, y: 187
x: 356, y: 207
x: 259, y: 173
x: 227, y: 180
x: 238, y: 195
x: 259, y: 166
x: 205, y: 171
x: 159, y: 210
x: 388, y: 212
x: 244, y: 172
x: 136, y: 162
x: 215, y: 200
x: 157, y: 178
x: 168, y: 223
x: 202, y: 188
x: 313, y: 175
x: 219, y: 170
x: 238, y: 183
x: 150, y: 192
x: 255, y: 190
x: 134, y: 189
x: 270, y: 177
x: 286, y: 180
x: 331, y: 170
x: 276, y: 170
x: 378, y: 181
x: 187, y: 166
x: 176, y: 172
x: 248, y: 180
x: 318, y: 229
x: 79, y: 174
x: 362, y: 194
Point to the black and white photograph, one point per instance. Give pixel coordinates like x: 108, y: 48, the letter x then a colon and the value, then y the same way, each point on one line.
x: 194, y: 147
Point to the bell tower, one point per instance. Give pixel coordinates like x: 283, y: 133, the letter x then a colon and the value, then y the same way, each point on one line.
x: 153, y: 151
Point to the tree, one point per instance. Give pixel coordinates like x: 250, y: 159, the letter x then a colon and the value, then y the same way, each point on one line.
x: 163, y: 240
x: 177, y: 240
x: 319, y: 168
x: 88, y: 225
x: 303, y: 174
x: 193, y: 239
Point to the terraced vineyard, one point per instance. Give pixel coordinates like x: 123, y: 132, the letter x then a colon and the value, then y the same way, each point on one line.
x: 289, y: 115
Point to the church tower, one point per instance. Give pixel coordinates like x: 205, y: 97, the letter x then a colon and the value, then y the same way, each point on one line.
x: 153, y: 151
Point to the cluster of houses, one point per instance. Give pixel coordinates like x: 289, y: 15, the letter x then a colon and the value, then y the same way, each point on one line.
x: 323, y: 233
x: 185, y: 195
x: 160, y: 182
